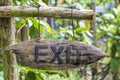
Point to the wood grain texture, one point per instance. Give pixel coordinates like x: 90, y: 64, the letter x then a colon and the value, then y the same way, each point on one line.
x: 62, y: 13
x: 7, y: 36
x: 55, y: 54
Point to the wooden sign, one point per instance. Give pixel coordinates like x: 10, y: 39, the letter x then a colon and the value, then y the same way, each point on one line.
x: 55, y: 54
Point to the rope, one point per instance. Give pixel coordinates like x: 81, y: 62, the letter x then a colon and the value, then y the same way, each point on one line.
x: 39, y: 35
x: 72, y: 22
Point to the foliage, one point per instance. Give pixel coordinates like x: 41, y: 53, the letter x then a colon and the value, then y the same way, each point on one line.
x: 35, y: 74
x: 108, y: 32
x: 1, y: 75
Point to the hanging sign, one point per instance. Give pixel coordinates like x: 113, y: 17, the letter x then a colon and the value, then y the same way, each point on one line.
x: 55, y: 54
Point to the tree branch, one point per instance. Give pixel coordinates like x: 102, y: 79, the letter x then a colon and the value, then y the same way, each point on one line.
x: 27, y: 11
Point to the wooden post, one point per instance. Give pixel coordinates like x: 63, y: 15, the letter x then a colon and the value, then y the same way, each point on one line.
x: 8, y: 37
x: 95, y: 65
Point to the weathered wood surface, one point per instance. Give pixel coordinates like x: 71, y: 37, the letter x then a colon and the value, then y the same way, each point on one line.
x: 7, y: 37
x: 27, y: 11
x: 55, y: 54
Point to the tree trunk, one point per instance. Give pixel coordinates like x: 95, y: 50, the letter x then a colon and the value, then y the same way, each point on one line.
x: 117, y: 2
x: 94, y: 66
x: 24, y: 37
x: 7, y: 36
x: 24, y: 33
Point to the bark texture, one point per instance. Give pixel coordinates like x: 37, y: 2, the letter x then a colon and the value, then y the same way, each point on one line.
x: 94, y: 67
x: 24, y: 33
x: 7, y: 38
x: 27, y: 11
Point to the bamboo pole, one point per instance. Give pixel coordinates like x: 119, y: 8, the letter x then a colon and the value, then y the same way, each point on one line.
x: 27, y: 11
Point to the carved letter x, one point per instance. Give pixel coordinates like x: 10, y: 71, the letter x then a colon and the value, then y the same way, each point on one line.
x: 56, y: 54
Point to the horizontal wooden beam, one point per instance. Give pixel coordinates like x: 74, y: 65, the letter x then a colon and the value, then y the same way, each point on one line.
x: 28, y: 11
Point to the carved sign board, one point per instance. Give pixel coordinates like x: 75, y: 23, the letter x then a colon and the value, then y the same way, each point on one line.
x: 55, y: 54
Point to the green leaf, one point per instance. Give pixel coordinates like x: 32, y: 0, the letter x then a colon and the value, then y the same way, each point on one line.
x: 32, y: 32
x: 1, y: 75
x: 110, y: 34
x: 42, y: 4
x: 108, y: 16
x: 118, y: 9
x: 86, y: 38
x: 117, y: 37
x: 38, y: 77
x: 45, y: 77
x: 1, y: 67
x: 69, y: 2
x: 58, y: 21
x: 118, y: 48
x: 34, y: 21
x: 81, y: 29
x: 114, y: 65
x: 66, y: 31
x: 29, y: 22
x: 31, y: 75
x: 20, y: 22
x: 35, y: 24
x: 47, y: 26
x: 73, y: 74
